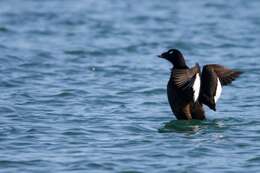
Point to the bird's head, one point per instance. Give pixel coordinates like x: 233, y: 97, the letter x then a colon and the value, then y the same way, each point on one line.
x: 174, y: 56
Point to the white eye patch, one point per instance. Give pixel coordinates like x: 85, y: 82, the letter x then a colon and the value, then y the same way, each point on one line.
x: 171, y: 52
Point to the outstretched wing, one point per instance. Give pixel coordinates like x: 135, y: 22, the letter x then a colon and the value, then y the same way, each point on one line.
x: 188, y: 80
x: 225, y: 75
x: 213, y: 77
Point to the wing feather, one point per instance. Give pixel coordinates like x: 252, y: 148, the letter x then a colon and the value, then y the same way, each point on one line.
x: 188, y: 80
x: 212, y: 75
x: 225, y: 75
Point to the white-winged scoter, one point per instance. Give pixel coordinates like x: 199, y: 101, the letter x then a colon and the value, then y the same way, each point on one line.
x: 188, y: 89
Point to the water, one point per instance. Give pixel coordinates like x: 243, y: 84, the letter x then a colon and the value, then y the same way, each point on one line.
x: 83, y: 91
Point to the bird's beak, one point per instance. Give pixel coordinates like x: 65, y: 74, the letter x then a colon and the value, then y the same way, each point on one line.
x: 160, y: 56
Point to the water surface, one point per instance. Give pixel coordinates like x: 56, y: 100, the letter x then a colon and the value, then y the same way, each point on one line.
x: 83, y: 91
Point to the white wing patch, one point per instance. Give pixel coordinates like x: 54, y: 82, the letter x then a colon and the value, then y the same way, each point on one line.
x: 196, y: 87
x: 218, y: 92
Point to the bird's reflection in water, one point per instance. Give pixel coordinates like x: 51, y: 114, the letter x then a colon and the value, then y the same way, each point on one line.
x: 187, y: 126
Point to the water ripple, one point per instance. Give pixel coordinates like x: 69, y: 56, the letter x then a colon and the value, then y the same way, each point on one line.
x: 83, y: 91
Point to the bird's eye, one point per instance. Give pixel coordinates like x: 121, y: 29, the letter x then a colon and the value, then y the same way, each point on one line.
x: 171, y: 52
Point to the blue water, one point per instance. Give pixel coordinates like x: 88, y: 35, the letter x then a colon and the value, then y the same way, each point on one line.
x: 83, y: 91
